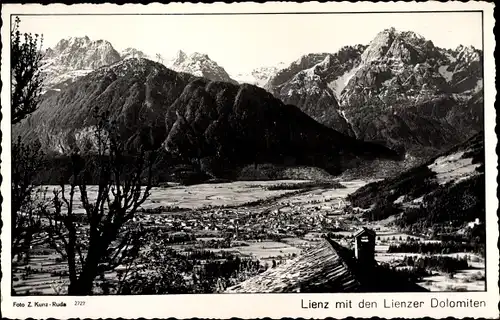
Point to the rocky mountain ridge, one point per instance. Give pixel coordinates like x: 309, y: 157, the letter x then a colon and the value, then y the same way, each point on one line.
x: 75, y: 57
x: 82, y: 53
x: 313, y: 83
x: 400, y: 89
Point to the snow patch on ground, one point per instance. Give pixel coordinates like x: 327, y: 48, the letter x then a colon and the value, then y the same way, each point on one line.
x: 399, y: 200
x: 310, y: 74
x: 258, y: 76
x: 54, y: 77
x: 453, y: 168
x: 447, y: 75
x: 341, y: 82
x: 342, y: 114
x: 418, y: 200
x: 479, y: 86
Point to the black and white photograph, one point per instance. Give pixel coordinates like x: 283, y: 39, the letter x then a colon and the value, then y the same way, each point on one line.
x: 246, y: 153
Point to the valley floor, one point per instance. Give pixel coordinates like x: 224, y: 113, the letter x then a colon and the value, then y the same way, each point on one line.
x: 267, y: 222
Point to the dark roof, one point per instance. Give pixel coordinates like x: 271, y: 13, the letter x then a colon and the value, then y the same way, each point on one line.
x: 363, y: 231
x: 318, y: 269
x: 327, y: 267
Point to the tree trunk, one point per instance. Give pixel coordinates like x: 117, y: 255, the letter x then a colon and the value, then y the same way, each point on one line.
x: 85, y: 283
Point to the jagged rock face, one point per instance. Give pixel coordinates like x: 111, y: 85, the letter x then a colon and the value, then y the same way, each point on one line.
x: 219, y: 124
x: 130, y: 53
x: 400, y: 89
x: 179, y: 58
x: 403, y: 76
x: 305, y: 62
x: 199, y: 65
x: 462, y: 69
x: 259, y: 76
x: 82, y: 53
x: 407, y: 47
x: 330, y: 68
x: 396, y: 68
x: 73, y: 58
x: 314, y: 89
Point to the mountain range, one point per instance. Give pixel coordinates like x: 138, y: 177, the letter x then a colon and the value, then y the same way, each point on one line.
x: 399, y: 91
x: 398, y: 107
x: 216, y: 125
x: 76, y: 56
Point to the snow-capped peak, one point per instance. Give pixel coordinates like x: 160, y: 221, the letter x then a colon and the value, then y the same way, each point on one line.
x: 379, y: 45
x: 180, y: 57
x: 74, y: 57
x: 259, y: 76
x: 198, y: 64
x: 81, y: 53
x: 72, y: 41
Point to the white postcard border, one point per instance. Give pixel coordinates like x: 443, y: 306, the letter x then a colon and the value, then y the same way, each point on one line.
x: 257, y: 305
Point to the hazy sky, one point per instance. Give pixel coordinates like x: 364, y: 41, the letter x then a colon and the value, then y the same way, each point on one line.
x: 240, y: 43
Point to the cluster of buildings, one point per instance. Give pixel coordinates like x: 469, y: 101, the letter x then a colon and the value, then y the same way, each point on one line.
x: 242, y: 223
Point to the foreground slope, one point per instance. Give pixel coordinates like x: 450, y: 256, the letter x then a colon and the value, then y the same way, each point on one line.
x: 447, y: 191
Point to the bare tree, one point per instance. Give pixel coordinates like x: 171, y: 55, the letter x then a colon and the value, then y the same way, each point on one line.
x: 26, y: 85
x: 159, y: 57
x: 26, y: 82
x: 104, y: 235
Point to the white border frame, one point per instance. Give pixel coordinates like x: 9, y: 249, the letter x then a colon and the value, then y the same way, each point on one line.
x: 255, y: 305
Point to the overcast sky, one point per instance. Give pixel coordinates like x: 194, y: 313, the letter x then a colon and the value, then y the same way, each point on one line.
x: 240, y: 43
